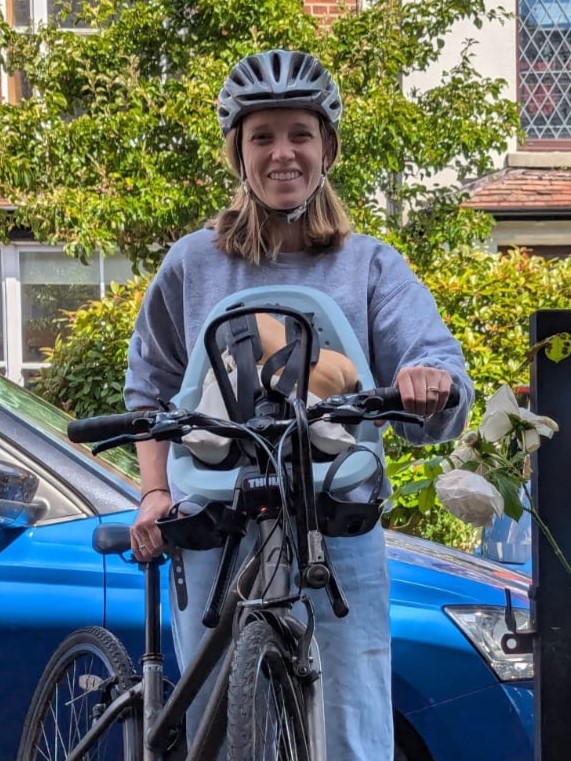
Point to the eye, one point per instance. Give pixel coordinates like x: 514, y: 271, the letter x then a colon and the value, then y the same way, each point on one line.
x: 301, y: 135
x: 260, y: 137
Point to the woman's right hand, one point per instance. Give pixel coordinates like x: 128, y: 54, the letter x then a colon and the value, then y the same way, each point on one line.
x: 146, y: 538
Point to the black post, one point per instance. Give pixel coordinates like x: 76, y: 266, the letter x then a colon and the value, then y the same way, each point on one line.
x: 551, y: 593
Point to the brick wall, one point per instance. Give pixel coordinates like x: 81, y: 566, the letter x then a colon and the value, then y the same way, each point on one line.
x: 328, y: 8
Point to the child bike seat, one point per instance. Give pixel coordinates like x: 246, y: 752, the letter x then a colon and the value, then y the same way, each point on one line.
x: 192, y: 477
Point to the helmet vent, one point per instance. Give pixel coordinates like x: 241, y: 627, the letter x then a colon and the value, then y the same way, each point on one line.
x: 297, y: 65
x: 236, y: 77
x: 276, y: 66
x: 297, y: 94
x: 256, y: 69
x: 317, y: 73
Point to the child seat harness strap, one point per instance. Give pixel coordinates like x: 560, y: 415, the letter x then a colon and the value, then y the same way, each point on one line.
x: 290, y: 358
x: 243, y: 342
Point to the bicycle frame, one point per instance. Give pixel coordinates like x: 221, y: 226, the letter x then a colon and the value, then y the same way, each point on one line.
x: 268, y: 572
x: 264, y: 575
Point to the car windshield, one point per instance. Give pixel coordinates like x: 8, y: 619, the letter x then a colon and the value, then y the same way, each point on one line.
x: 53, y: 422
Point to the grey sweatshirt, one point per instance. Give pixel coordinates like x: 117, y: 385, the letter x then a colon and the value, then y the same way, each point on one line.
x: 393, y: 315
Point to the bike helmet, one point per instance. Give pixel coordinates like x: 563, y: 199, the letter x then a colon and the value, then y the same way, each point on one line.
x: 278, y: 79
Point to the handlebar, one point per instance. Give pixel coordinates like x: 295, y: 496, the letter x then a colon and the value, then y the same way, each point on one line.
x: 110, y: 426
x: 141, y: 425
x: 382, y: 401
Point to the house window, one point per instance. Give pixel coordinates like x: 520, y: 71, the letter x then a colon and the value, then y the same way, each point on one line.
x: 548, y: 252
x: 544, y: 66
x: 70, y: 21
x: 50, y: 284
x: 19, y: 12
x: 39, y: 284
x: 23, y: 14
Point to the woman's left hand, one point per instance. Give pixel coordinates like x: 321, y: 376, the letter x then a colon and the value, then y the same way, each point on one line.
x: 424, y: 390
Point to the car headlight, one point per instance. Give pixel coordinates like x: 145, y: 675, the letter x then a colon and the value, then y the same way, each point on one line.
x: 485, y: 626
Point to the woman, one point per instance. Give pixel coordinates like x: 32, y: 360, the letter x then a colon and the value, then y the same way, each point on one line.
x: 279, y: 112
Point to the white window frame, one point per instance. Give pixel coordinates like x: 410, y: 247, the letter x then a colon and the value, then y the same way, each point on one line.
x: 13, y: 364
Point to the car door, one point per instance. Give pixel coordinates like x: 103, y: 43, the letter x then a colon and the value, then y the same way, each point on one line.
x: 51, y: 581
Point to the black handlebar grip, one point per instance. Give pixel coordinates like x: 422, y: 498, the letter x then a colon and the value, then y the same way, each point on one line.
x: 391, y: 398
x: 453, y: 397
x: 108, y: 426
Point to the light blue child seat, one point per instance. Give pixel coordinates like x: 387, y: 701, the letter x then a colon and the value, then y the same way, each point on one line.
x: 192, y: 477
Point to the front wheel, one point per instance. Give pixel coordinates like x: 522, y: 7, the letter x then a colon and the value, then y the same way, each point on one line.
x: 266, y: 710
x: 87, y: 671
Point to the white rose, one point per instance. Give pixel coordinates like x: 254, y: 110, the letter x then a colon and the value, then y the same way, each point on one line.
x: 469, y: 497
x: 497, y: 422
x: 460, y: 456
x: 541, y: 426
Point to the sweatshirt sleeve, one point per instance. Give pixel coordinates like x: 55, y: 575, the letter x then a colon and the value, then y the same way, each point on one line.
x: 406, y: 330
x: 157, y: 354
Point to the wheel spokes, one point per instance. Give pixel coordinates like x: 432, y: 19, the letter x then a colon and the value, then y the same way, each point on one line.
x: 70, y: 712
x: 276, y: 725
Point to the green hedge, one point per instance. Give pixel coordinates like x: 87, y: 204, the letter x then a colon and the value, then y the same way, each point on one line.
x: 89, y: 358
x: 486, y: 300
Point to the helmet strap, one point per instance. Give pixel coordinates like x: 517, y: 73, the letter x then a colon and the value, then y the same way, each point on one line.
x: 299, y: 211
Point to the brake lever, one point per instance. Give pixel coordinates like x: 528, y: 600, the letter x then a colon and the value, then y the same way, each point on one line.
x: 353, y: 415
x: 392, y: 417
x: 118, y: 441
x: 346, y: 414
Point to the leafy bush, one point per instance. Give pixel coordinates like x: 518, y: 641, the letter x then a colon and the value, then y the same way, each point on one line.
x: 486, y: 300
x: 89, y: 358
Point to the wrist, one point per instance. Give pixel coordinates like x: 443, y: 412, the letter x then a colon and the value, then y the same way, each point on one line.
x: 156, y: 489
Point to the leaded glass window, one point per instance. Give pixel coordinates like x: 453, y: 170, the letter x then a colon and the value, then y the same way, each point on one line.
x: 545, y: 68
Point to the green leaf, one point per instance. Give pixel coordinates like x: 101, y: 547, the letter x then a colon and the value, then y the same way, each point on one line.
x: 413, y: 487
x: 509, y: 490
x: 427, y: 498
x: 559, y: 347
x: 394, y: 467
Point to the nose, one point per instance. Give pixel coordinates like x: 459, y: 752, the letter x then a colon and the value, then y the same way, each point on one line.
x: 282, y: 149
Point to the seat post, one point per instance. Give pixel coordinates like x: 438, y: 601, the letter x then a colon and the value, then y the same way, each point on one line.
x: 152, y: 608
x: 152, y: 660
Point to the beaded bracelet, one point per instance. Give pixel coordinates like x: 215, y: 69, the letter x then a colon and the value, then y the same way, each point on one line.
x: 146, y: 494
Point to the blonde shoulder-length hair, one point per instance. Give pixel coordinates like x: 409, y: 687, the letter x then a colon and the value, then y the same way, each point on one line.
x: 242, y: 229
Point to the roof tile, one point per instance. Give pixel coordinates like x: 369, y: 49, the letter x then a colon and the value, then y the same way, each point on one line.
x: 521, y: 188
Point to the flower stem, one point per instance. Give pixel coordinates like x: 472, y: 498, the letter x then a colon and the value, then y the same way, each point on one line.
x: 547, y: 533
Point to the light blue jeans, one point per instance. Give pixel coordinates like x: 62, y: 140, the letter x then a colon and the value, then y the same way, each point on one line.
x: 355, y: 650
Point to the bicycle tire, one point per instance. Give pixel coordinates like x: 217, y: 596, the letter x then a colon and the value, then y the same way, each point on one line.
x: 88, y: 669
x: 266, y: 709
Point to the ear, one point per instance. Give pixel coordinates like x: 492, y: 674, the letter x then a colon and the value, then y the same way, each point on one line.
x: 330, y: 149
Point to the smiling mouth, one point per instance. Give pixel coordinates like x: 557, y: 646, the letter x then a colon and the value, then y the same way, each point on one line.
x: 284, y: 176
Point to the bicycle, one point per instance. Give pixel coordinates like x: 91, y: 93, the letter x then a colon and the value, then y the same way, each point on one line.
x: 268, y: 659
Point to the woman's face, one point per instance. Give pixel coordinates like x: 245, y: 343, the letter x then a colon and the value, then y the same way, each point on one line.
x: 282, y: 150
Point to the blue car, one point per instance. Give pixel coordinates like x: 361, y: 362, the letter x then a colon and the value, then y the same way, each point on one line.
x: 457, y: 696
x: 509, y: 542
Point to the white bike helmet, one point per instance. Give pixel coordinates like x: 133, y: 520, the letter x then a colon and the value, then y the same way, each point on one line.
x: 278, y: 79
